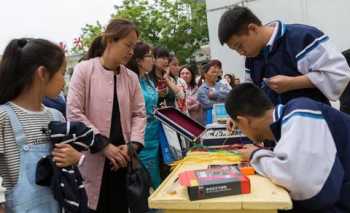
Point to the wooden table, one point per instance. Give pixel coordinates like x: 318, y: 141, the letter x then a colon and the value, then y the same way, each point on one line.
x: 265, y: 197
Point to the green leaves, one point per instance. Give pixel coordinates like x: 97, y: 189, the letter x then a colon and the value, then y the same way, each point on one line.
x: 89, y: 33
x: 178, y: 25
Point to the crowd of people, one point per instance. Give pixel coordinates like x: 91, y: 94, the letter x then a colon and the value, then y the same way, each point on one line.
x: 114, y: 90
x: 293, y: 72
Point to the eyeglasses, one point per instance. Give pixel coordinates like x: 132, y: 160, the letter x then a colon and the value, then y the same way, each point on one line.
x: 149, y: 56
x: 238, y: 47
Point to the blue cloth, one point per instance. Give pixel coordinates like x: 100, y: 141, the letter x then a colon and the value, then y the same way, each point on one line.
x: 220, y: 91
x: 300, y: 116
x: 26, y: 196
x: 58, y: 103
x: 209, y: 116
x: 298, y: 50
x: 167, y: 155
x: 149, y: 155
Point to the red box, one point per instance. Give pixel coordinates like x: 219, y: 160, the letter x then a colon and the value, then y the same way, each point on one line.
x: 214, y: 182
x: 180, y: 122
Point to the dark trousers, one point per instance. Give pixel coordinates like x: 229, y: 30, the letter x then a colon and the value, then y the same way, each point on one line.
x: 113, y: 198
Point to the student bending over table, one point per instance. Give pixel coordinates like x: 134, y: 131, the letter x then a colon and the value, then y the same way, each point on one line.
x: 311, y: 158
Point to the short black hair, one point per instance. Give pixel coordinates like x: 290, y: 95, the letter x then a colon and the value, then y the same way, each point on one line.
x: 215, y: 62
x: 235, y: 22
x: 346, y: 54
x: 247, y: 99
x: 160, y: 52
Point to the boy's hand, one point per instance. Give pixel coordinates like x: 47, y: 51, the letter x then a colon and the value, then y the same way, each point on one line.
x: 280, y: 83
x: 65, y: 155
x: 247, y: 151
x: 2, y: 209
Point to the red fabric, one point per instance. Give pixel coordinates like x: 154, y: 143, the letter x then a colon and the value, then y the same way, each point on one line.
x: 183, y: 121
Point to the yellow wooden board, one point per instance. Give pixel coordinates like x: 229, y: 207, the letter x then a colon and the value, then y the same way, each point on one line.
x: 264, y: 196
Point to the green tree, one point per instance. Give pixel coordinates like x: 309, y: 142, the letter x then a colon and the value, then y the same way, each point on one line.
x: 89, y: 32
x: 178, y: 25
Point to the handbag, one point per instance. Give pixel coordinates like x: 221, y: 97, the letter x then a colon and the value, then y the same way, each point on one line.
x: 138, y: 183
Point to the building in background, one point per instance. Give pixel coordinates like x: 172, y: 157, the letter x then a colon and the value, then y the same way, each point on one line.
x: 72, y: 60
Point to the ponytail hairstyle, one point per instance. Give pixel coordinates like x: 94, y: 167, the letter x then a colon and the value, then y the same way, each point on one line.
x: 21, y: 58
x: 96, y: 49
x: 116, y: 29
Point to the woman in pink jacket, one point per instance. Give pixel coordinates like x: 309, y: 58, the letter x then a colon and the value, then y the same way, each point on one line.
x: 106, y: 96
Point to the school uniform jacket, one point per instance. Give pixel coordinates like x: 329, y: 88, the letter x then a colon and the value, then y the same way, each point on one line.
x: 312, y: 156
x: 294, y: 50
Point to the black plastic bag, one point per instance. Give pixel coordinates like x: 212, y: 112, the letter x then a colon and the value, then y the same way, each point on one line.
x: 138, y: 183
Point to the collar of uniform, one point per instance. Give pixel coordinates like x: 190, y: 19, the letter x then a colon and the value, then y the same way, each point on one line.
x: 277, y: 122
x: 277, y: 112
x: 278, y: 32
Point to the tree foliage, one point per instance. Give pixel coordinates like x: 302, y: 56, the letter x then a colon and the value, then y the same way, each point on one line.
x: 178, y: 25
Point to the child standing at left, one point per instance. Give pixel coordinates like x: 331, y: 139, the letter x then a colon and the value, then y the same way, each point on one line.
x: 30, y: 70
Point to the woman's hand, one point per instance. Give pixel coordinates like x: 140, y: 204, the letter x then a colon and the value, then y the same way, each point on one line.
x: 166, y: 73
x: 163, y: 92
x: 117, y: 155
x: 65, y: 155
x: 212, y: 94
x: 124, y: 150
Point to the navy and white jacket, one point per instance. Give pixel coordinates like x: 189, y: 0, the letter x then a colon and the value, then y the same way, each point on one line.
x: 295, y: 50
x: 312, y: 156
x: 67, y: 183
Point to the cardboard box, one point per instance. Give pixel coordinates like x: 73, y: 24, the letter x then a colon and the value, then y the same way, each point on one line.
x: 214, y: 182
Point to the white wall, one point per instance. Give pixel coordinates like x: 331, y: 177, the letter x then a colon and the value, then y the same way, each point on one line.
x: 332, y: 17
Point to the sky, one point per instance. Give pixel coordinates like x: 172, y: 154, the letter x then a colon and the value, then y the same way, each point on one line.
x: 55, y: 20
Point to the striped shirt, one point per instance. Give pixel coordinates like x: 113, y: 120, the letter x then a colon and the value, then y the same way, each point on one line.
x: 33, y: 123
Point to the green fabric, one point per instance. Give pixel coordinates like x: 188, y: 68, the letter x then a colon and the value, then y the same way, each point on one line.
x: 149, y: 155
